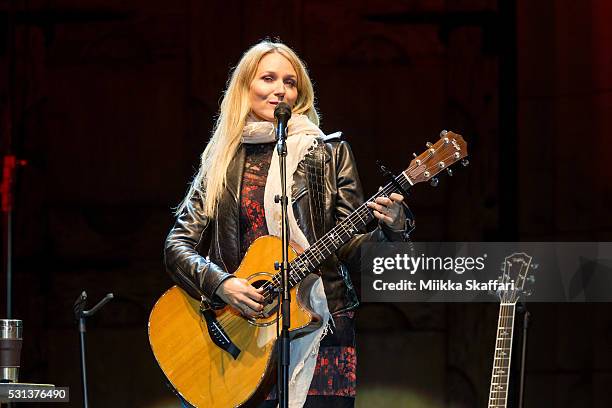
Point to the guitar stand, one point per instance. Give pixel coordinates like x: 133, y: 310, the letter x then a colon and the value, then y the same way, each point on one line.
x: 81, y: 314
x: 526, y: 318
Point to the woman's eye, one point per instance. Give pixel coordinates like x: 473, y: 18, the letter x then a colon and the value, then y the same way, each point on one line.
x: 291, y: 83
x: 268, y: 78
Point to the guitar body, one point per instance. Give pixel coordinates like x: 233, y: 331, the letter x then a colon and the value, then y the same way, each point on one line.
x: 200, y: 371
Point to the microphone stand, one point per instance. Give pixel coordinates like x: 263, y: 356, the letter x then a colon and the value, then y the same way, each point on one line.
x: 282, y: 114
x: 81, y: 314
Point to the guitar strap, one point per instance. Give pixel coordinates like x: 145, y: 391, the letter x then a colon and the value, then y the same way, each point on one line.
x: 315, y: 174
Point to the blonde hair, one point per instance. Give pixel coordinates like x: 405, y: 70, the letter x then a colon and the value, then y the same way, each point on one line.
x: 209, y: 181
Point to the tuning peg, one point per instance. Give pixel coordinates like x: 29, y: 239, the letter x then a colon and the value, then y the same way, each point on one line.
x: 428, y: 144
x: 414, y: 155
x: 531, y: 279
x: 449, y: 171
x: 465, y: 162
x: 434, y: 181
x: 443, y: 133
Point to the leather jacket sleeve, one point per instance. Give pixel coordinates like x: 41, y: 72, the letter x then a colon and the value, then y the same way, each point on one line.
x: 192, y: 272
x: 349, y: 197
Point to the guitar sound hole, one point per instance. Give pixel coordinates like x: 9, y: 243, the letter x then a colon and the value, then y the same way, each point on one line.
x: 259, y: 283
x: 269, y: 308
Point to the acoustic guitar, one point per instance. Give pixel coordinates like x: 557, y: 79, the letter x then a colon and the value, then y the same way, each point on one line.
x: 515, y: 268
x: 219, y: 358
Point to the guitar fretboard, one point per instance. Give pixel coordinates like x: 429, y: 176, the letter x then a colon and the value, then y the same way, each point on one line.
x: 309, y: 260
x: 498, y: 394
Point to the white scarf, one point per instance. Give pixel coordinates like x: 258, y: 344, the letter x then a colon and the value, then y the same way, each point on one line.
x: 302, y: 135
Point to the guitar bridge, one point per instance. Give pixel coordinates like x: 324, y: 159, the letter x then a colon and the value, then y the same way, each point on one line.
x: 217, y: 334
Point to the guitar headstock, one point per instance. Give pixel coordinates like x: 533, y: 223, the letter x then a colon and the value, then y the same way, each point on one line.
x: 515, y: 268
x: 439, y: 156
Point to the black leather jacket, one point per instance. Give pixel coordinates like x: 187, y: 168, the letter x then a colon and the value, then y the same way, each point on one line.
x: 201, y: 276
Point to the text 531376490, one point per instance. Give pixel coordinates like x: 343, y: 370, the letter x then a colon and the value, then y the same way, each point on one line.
x: 33, y: 393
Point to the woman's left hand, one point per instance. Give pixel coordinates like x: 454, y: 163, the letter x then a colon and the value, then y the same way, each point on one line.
x: 389, y: 210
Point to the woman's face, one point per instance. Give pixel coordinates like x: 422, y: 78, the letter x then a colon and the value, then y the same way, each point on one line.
x: 275, y: 81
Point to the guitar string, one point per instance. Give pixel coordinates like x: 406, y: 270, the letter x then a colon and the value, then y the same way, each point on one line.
x: 504, y: 322
x: 314, y: 263
x: 506, y: 342
x: 507, y: 319
x: 492, y: 393
x: 402, y: 178
x: 499, y: 346
x: 508, y: 316
x: 505, y: 346
x: 328, y: 238
x: 367, y: 213
x: 276, y: 278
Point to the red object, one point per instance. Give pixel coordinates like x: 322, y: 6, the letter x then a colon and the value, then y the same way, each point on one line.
x: 8, y: 174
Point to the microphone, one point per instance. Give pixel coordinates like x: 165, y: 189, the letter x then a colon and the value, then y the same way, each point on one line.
x: 282, y: 113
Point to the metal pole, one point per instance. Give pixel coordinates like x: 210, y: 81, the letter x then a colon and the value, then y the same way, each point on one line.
x: 7, y: 164
x: 8, y: 236
x: 523, y: 358
x: 81, y: 314
x: 284, y: 345
x: 282, y: 113
x: 82, y: 330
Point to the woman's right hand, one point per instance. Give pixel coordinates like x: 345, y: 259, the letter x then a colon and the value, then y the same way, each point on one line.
x: 243, y: 297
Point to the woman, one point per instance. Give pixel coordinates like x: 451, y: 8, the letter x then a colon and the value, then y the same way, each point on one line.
x: 230, y: 201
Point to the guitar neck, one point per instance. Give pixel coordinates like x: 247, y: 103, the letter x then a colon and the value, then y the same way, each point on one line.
x: 500, y: 378
x: 309, y: 260
x: 439, y: 156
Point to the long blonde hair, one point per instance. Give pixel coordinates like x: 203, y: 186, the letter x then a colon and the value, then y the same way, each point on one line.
x: 209, y: 181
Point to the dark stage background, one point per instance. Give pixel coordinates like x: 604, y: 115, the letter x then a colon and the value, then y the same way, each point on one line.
x: 113, y: 101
